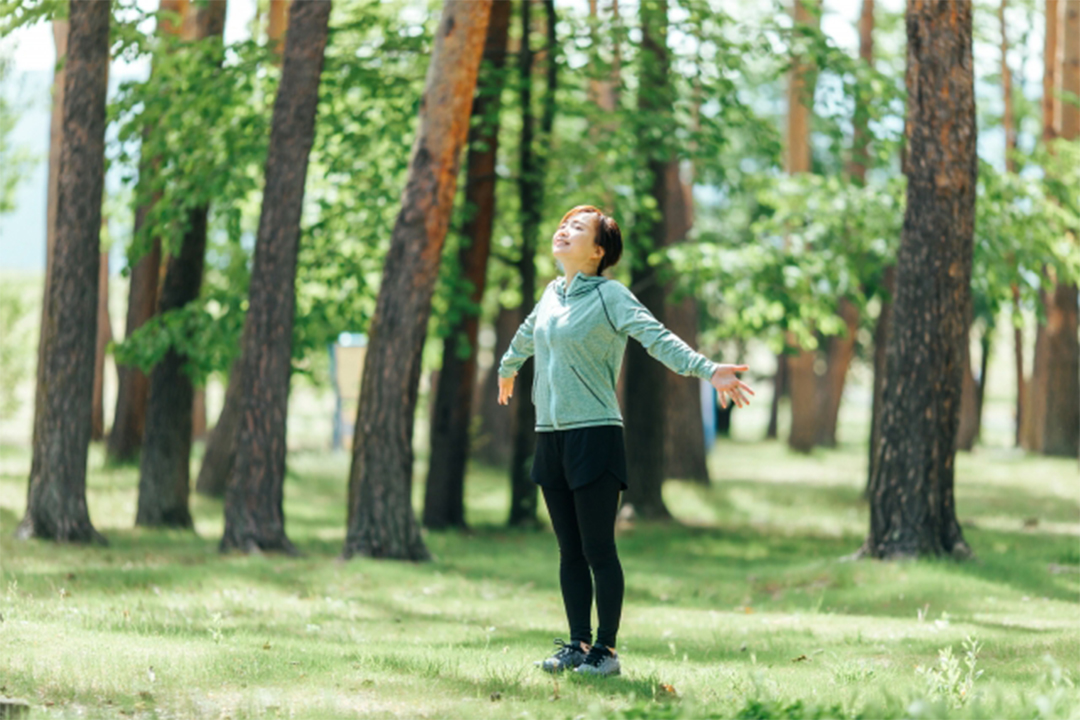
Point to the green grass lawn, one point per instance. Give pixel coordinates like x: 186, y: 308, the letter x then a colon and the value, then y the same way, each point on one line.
x: 747, y: 608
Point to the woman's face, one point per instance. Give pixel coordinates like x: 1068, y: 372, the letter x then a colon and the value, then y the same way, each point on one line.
x: 574, y: 242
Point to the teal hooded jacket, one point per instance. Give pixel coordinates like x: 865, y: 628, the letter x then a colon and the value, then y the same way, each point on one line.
x: 578, y: 334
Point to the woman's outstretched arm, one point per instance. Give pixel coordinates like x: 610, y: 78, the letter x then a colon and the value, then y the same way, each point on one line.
x: 521, y: 349
x: 629, y: 316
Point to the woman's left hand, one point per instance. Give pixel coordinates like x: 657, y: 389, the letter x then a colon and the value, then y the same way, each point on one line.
x: 730, y: 387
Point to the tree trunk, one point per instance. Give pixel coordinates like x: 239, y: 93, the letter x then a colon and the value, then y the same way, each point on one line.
x: 165, y: 464
x: 523, y: 492
x: 1062, y: 428
x: 254, y: 519
x: 912, y: 508
x: 882, y: 331
x: 101, y: 345
x: 56, y: 125
x: 444, y: 492
x: 684, y: 429
x: 780, y: 388
x: 802, y: 379
x: 381, y: 521
x: 56, y: 504
x: 646, y: 379
x: 968, y: 430
x: 277, y: 24
x: 220, y: 455
x: 198, y: 415
x: 129, y: 420
x: 839, y: 350
x: 494, y: 445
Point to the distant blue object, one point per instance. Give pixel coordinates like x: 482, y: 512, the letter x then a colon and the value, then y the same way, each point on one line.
x: 708, y: 413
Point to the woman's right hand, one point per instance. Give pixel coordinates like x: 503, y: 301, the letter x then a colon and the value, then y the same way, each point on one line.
x: 506, y: 389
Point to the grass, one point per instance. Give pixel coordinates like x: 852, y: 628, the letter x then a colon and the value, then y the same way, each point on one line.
x: 746, y: 608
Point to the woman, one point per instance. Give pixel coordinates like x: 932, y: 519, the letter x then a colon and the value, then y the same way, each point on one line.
x: 578, y: 332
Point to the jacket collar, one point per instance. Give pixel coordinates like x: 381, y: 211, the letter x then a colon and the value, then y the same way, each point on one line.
x: 578, y: 285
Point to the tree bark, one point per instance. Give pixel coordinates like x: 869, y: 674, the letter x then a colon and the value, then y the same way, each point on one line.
x: 780, y: 388
x: 129, y: 420
x: 646, y: 379
x: 882, y: 331
x: 839, y: 350
x: 56, y: 504
x: 968, y: 430
x: 684, y: 429
x: 165, y: 464
x: 493, y: 444
x: 801, y: 377
x: 198, y: 415
x: 254, y: 519
x: 912, y: 508
x: 277, y: 24
x: 1062, y: 425
x: 444, y: 491
x: 381, y: 521
x: 101, y: 345
x: 220, y: 455
x: 523, y: 492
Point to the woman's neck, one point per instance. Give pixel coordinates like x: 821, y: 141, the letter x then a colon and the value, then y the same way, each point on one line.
x: 571, y: 270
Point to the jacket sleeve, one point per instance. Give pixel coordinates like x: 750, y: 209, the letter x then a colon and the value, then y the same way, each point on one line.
x: 630, y: 317
x: 521, y: 347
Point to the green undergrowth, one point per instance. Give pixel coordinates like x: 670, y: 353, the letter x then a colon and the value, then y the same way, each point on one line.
x: 747, y: 608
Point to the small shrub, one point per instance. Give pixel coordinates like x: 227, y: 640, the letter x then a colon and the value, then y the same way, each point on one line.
x: 948, y: 680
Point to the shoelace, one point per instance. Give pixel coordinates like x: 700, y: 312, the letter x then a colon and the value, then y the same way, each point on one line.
x: 596, y: 655
x: 565, y: 648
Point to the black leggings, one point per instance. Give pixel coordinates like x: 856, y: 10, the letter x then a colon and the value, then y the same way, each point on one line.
x: 584, y: 523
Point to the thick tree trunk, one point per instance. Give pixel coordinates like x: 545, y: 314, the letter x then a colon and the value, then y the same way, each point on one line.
x: 254, y: 519
x: 101, y: 345
x: 494, y: 444
x: 646, y: 379
x: 1062, y: 429
x: 912, y: 508
x: 56, y: 127
x: 802, y: 379
x: 56, y: 507
x: 381, y: 521
x: 129, y: 420
x: 882, y: 331
x: 165, y: 463
x: 220, y: 455
x: 444, y: 492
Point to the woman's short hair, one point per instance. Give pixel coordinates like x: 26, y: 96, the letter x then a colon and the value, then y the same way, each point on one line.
x: 608, y: 235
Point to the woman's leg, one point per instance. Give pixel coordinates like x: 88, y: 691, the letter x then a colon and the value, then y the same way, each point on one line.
x: 597, y: 504
x: 574, y: 577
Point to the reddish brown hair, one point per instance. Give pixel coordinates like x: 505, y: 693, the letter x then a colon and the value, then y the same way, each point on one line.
x: 608, y: 235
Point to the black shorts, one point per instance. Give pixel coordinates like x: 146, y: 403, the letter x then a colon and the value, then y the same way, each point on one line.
x: 578, y: 456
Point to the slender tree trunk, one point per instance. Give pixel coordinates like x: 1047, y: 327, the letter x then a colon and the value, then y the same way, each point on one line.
x: 780, y: 388
x: 104, y: 336
x: 1062, y: 429
x: 56, y: 507
x: 912, y: 508
x: 968, y: 430
x: 220, y: 455
x: 198, y: 415
x: 802, y: 379
x: 444, y: 492
x: 165, y: 463
x: 684, y: 429
x: 646, y: 379
x: 277, y: 24
x: 523, y: 492
x: 381, y: 521
x: 494, y: 443
x: 129, y: 420
x: 254, y: 519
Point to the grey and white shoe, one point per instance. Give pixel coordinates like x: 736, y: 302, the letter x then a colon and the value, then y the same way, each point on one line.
x: 600, y: 661
x: 567, y: 657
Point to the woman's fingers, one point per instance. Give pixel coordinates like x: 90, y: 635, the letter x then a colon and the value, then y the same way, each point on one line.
x: 745, y: 387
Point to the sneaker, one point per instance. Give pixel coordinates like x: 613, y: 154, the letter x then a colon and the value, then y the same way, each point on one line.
x: 600, y: 661
x: 567, y: 657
